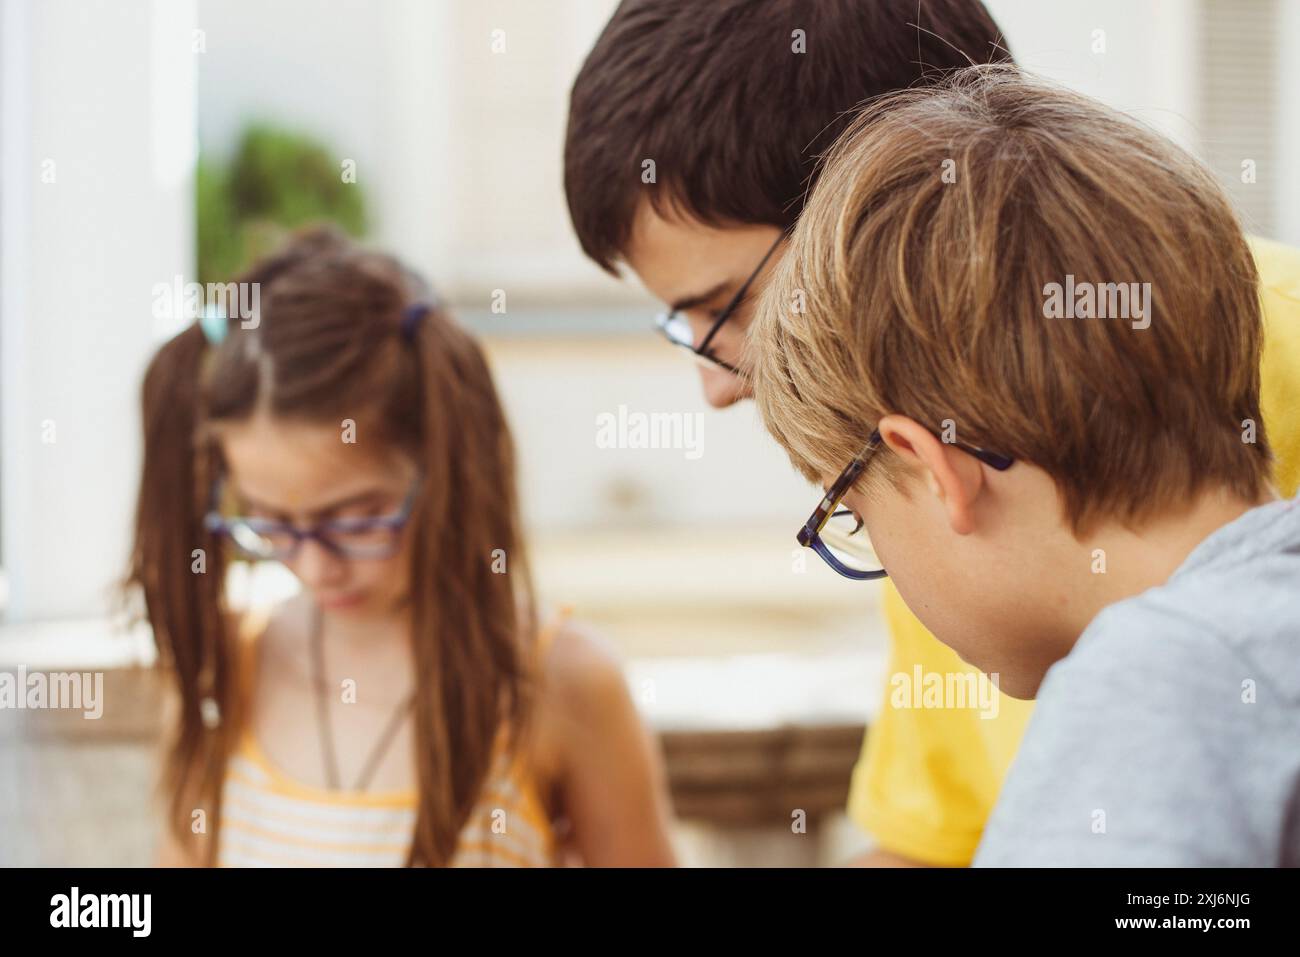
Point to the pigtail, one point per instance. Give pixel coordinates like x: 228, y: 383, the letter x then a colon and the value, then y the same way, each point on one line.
x: 178, y: 566
x: 477, y: 678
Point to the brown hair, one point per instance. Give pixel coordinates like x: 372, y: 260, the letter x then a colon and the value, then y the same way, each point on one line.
x: 328, y: 346
x: 917, y: 279
x: 733, y: 117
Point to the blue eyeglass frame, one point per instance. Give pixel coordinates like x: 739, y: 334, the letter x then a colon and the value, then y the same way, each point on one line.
x: 809, y: 536
x: 320, y: 532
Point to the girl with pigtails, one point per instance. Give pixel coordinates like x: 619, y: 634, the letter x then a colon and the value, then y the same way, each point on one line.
x: 409, y: 706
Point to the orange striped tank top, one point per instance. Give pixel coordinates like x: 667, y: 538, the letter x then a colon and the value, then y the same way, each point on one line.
x: 271, y: 820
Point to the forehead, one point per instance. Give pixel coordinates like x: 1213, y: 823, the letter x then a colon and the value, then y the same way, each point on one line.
x: 298, y: 466
x: 677, y: 257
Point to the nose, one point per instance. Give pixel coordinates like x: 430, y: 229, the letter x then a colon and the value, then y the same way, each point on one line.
x: 317, y: 567
x: 721, y: 388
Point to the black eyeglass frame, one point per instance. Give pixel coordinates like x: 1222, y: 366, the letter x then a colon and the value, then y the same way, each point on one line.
x: 703, y: 350
x: 809, y: 536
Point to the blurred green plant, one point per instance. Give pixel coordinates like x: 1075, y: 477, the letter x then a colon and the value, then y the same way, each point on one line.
x: 276, y: 181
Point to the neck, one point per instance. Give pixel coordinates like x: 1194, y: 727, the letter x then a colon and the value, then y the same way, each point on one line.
x: 375, y: 651
x: 364, y: 635
x: 1126, y: 561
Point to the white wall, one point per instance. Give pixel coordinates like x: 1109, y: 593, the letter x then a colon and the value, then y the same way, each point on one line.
x: 1148, y: 64
x: 97, y: 128
x: 554, y: 392
x: 1154, y: 68
x: 458, y: 148
x: 1288, y: 125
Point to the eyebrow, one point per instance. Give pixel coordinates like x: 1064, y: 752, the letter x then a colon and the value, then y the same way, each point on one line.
x: 341, y: 504
x: 692, y: 302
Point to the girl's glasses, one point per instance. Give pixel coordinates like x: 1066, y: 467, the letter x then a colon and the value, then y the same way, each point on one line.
x: 677, y: 329
x: 837, y: 535
x: 375, y: 537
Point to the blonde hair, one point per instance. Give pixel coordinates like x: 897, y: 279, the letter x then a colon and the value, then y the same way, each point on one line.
x: 917, y: 280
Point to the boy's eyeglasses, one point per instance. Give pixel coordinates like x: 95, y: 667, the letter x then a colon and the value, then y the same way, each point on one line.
x: 836, y: 534
x: 677, y: 329
x: 260, y: 539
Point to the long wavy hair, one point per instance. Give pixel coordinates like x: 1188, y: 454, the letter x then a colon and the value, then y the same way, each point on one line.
x: 328, y: 346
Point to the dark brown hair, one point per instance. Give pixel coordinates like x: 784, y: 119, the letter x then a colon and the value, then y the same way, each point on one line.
x: 918, y: 279
x: 733, y: 118
x: 328, y: 346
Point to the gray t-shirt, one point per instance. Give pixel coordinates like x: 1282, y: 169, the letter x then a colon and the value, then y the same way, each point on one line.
x: 1170, y: 735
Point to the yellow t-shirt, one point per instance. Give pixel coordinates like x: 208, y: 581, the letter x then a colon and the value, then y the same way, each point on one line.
x: 929, y: 777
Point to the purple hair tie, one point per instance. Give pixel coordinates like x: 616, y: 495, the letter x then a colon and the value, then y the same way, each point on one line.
x: 411, y: 318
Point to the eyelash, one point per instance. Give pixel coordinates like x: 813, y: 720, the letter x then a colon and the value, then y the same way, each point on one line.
x: 716, y: 314
x: 365, y: 511
x: 262, y: 513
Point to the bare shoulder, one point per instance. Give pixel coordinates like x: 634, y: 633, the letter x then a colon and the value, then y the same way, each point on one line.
x: 606, y: 775
x: 580, y: 682
x: 580, y: 669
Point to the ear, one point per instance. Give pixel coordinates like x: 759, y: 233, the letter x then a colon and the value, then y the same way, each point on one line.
x: 954, y: 477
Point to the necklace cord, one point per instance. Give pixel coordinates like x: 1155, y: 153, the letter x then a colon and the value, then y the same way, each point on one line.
x: 329, y: 757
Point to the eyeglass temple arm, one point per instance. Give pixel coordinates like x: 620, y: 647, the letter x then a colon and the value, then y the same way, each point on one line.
x: 991, y: 459
x: 730, y: 307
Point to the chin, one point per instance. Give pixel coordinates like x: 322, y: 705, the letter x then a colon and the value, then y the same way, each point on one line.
x: 1011, y: 681
x: 357, y: 603
x: 1024, y: 687
x: 978, y: 662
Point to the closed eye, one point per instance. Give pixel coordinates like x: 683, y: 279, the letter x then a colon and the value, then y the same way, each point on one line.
x: 736, y: 310
x: 359, y: 513
x: 264, y: 514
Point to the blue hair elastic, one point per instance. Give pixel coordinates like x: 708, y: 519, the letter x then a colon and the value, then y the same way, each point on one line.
x: 412, y: 317
x: 214, y: 325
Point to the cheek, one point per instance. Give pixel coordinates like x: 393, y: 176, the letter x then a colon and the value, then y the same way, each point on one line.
x: 387, y: 577
x: 729, y: 343
x: 905, y: 541
x: 925, y: 563
x: 390, y: 578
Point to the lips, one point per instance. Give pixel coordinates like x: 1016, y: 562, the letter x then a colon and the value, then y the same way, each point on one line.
x: 335, y: 602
